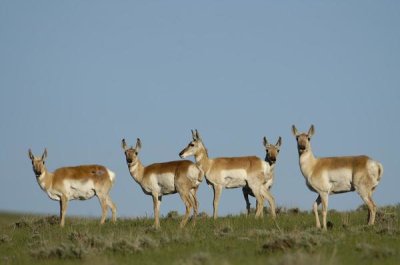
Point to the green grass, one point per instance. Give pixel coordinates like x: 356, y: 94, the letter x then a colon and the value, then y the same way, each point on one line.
x: 28, y: 239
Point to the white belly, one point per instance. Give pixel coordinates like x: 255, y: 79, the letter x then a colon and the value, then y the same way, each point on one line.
x: 340, y: 180
x: 234, y: 178
x: 165, y: 183
x: 81, y: 190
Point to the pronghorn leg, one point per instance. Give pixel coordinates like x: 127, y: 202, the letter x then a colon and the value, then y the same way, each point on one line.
x: 113, y: 208
x: 156, y: 205
x: 195, y: 203
x: 186, y: 199
x: 366, y: 196
x: 371, y: 220
x: 246, y: 198
x: 315, y: 209
x: 260, y: 203
x: 104, y: 208
x: 324, y: 200
x: 217, y: 195
x: 371, y: 207
x: 271, y: 202
x: 63, y: 209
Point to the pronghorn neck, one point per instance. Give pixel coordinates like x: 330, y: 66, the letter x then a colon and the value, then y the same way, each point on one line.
x: 307, y: 161
x: 136, y: 171
x: 45, y: 179
x: 272, y: 167
x: 202, y: 160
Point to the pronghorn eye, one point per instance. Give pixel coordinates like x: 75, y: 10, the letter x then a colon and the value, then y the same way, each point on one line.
x: 136, y: 153
x: 309, y: 138
x: 191, y: 145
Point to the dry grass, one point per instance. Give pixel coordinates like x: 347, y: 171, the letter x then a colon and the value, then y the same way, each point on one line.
x: 284, y: 241
x: 227, y: 240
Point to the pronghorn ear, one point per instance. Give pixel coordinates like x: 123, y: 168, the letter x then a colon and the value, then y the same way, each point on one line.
x: 265, y: 141
x: 198, y: 135
x: 138, y: 145
x: 279, y: 142
x: 311, y: 131
x: 44, y: 156
x: 124, y: 145
x: 194, y: 135
x: 31, y: 156
x: 294, y: 130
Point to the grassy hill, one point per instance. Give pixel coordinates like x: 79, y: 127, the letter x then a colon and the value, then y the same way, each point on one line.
x: 28, y: 239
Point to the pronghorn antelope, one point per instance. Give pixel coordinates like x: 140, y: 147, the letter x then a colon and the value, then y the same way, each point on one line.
x: 159, y: 179
x: 328, y: 175
x: 70, y: 183
x: 272, y: 152
x: 232, y: 172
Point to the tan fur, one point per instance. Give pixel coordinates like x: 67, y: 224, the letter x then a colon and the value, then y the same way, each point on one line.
x: 155, y: 180
x: 97, y: 173
x: 251, y: 164
x: 57, y: 184
x: 248, y: 172
x: 355, y: 163
x: 336, y: 175
x: 272, y: 152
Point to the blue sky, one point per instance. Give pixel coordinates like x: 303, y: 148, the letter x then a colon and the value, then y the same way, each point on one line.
x: 78, y: 76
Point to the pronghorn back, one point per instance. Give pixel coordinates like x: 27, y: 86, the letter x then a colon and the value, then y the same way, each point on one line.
x: 167, y: 167
x: 249, y: 163
x: 96, y: 173
x: 354, y: 163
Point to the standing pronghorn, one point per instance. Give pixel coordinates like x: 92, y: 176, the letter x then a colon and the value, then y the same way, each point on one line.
x: 328, y: 175
x: 271, y: 156
x: 232, y: 172
x: 166, y: 178
x: 80, y: 182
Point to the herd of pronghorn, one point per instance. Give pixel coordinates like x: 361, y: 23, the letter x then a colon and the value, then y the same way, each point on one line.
x: 326, y: 175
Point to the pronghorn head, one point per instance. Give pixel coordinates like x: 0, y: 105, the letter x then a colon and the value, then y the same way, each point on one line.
x: 194, y: 147
x: 38, y: 162
x: 131, y: 153
x: 303, y: 139
x: 272, y: 150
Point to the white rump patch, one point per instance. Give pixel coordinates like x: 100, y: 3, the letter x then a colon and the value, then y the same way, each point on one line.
x: 111, y: 175
x: 373, y: 171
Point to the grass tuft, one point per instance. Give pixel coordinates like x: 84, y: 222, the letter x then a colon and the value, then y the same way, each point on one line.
x: 293, y: 240
x: 173, y: 215
x: 224, y: 231
x: 4, y: 239
x: 63, y: 251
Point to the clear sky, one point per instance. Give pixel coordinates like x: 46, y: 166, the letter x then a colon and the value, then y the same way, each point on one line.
x: 78, y: 76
